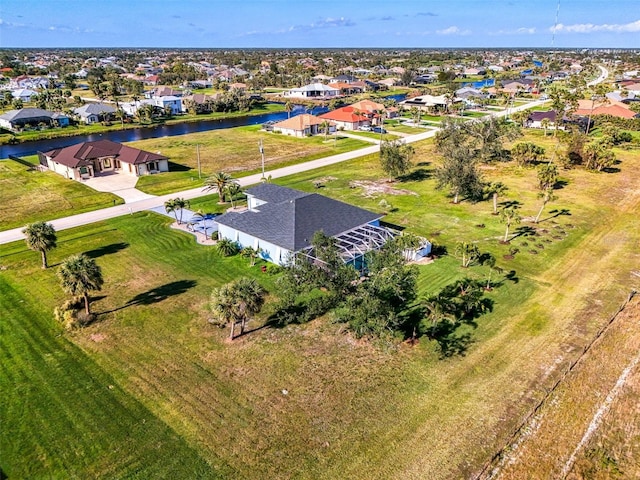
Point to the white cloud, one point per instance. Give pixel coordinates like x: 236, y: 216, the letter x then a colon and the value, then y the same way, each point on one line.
x: 453, y: 30
x: 517, y: 31
x: 604, y: 27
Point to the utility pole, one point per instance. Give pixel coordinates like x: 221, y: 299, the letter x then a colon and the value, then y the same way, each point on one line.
x: 261, y: 148
x: 198, y: 154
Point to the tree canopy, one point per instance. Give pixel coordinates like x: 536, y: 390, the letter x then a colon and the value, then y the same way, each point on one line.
x: 41, y: 237
x: 395, y: 157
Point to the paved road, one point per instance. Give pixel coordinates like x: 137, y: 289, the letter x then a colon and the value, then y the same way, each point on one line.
x: 604, y: 74
x: 153, y: 202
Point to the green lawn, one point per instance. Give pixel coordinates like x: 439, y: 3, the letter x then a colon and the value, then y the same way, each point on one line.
x: 234, y: 150
x: 474, y: 114
x: 28, y: 195
x: 184, y: 398
x: 393, y: 125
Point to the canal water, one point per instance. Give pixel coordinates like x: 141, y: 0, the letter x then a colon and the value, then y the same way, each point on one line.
x: 30, y: 148
x: 133, y: 134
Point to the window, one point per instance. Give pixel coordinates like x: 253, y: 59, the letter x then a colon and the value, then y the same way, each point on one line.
x: 106, y: 162
x: 84, y: 170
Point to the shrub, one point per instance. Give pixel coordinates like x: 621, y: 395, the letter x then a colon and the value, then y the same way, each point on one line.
x: 227, y: 248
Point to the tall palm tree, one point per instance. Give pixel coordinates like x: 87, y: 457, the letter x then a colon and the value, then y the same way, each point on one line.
x: 80, y: 275
x: 175, y: 205
x: 324, y: 128
x: 495, y: 189
x: 545, y: 123
x: 218, y: 182
x: 288, y: 107
x: 40, y: 237
x: 232, y: 189
x: 547, y: 178
x: 508, y: 216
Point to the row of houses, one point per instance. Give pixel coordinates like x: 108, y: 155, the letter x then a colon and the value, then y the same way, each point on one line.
x: 365, y: 113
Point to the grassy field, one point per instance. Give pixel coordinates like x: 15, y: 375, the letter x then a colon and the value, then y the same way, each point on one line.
x: 233, y: 150
x: 353, y: 410
x: 612, y: 451
x: 28, y: 195
x: 399, y: 127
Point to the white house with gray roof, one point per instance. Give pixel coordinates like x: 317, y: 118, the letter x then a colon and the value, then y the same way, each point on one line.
x: 282, y: 221
x: 94, y: 112
x: 313, y: 90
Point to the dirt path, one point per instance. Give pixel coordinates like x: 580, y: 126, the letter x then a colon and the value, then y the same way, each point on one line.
x: 556, y: 436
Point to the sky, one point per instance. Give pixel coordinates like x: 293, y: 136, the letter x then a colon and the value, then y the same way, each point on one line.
x: 320, y: 23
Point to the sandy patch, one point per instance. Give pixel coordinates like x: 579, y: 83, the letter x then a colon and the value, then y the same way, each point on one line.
x: 383, y: 187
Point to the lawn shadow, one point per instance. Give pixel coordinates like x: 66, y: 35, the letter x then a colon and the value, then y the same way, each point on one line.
x: 177, y: 167
x: 454, y: 344
x: 557, y: 213
x: 524, y: 231
x: 416, y: 176
x: 106, y: 250
x: 560, y: 184
x: 510, y: 203
x: 158, y: 294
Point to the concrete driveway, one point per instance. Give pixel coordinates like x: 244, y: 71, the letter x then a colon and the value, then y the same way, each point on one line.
x: 119, y: 184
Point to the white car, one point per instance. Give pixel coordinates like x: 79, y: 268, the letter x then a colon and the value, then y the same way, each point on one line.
x: 365, y: 128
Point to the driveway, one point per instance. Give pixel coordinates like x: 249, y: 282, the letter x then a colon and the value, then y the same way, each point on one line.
x: 119, y: 184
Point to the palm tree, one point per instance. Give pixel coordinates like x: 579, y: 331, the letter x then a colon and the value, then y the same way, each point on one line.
x: 545, y: 123
x: 324, y: 127
x: 232, y: 189
x: 80, y: 275
x: 237, y: 301
x: 495, y: 189
x: 437, y: 310
x: 547, y: 178
x: 468, y: 252
x: 288, y: 107
x: 121, y: 115
x: 508, y: 216
x: 252, y: 254
x: 227, y: 247
x: 218, y: 181
x: 173, y: 205
x: 40, y: 237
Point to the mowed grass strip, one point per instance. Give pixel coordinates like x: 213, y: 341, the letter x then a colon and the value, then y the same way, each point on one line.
x: 28, y: 195
x: 235, y: 151
x: 353, y: 409
x: 62, y: 415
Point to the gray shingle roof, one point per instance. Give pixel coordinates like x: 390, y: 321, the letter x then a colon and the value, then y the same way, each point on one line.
x: 292, y: 222
x: 25, y: 114
x: 94, y: 109
x: 270, y: 193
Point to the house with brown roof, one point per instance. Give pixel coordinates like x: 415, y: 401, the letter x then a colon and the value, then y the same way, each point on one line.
x: 103, y: 157
x: 303, y: 125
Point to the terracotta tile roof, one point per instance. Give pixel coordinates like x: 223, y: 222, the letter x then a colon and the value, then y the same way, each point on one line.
x: 368, y: 106
x: 344, y: 114
x: 83, y: 153
x: 616, y: 109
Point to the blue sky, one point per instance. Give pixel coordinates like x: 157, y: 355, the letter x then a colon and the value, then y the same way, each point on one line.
x: 318, y: 23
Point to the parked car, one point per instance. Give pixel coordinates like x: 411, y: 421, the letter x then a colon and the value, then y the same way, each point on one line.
x: 365, y: 128
x: 379, y: 130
